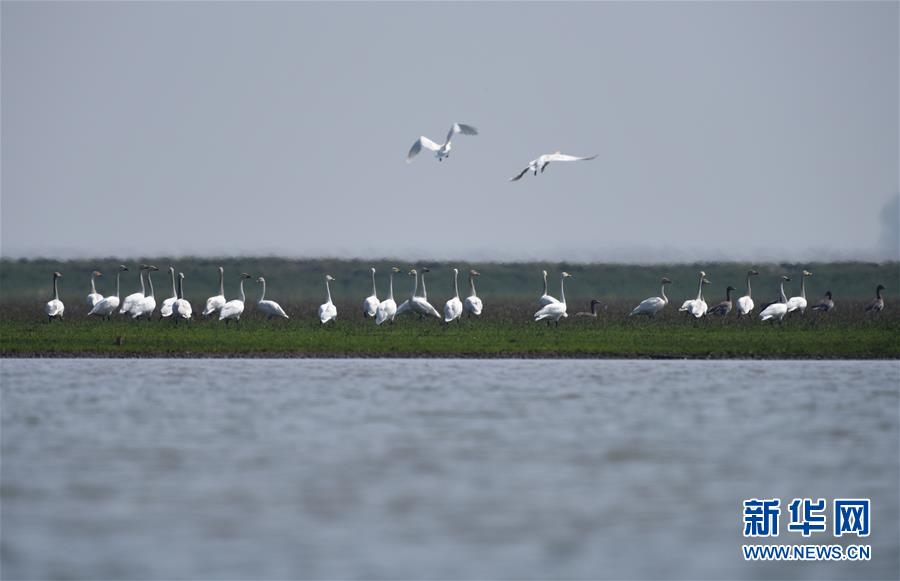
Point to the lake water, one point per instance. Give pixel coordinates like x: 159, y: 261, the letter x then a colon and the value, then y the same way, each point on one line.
x: 284, y: 469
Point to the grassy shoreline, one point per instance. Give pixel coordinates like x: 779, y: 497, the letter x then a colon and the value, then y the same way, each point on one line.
x: 505, y: 331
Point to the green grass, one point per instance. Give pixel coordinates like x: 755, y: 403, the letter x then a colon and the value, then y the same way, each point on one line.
x: 505, y: 330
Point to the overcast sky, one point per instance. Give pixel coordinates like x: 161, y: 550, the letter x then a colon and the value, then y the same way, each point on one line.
x: 751, y: 131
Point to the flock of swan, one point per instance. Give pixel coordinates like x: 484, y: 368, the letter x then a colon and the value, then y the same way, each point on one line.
x: 143, y: 304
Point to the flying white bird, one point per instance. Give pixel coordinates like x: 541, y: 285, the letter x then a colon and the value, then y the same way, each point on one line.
x: 55, y: 308
x: 269, y: 308
x: 233, y: 309
x: 443, y: 150
x: 472, y: 304
x: 108, y: 305
x: 653, y: 305
x: 555, y: 311
x: 94, y: 297
x: 387, y: 309
x: 370, y: 305
x: 327, y: 310
x: 543, y: 161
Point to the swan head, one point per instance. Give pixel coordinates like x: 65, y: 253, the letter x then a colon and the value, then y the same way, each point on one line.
x: 474, y: 272
x: 729, y: 288
x: 181, y: 275
x: 123, y: 268
x: 752, y: 272
x: 329, y: 278
x: 664, y: 280
x: 245, y: 275
x: 151, y: 267
x: 221, y: 270
x: 57, y: 275
x: 544, y: 272
x: 425, y: 269
x: 807, y: 273
x: 595, y: 302
x: 566, y: 275
x: 172, y: 269
x: 395, y: 269
x: 880, y: 287
x: 455, y: 271
x: 260, y: 279
x: 828, y: 294
x: 785, y: 278
x: 96, y: 273
x: 702, y: 274
x: 413, y: 272
x: 373, y: 270
x: 705, y: 281
x: 144, y: 267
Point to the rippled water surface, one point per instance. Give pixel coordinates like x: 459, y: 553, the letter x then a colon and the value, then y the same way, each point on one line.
x: 212, y: 469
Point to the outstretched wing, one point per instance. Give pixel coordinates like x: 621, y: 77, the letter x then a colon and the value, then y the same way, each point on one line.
x: 564, y: 157
x: 519, y: 176
x: 461, y: 128
x: 421, y: 142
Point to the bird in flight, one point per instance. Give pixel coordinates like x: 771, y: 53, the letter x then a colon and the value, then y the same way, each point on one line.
x: 543, y: 161
x: 440, y: 150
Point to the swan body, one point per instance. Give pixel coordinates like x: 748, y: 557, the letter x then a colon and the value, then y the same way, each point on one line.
x: 472, y: 305
x: 696, y: 307
x: 55, y: 308
x: 94, y: 297
x: 799, y: 303
x: 555, y: 311
x: 233, y: 309
x: 269, y: 308
x: 420, y: 304
x: 133, y: 298
x: 546, y: 299
x: 181, y: 308
x: 327, y: 311
x: 453, y: 308
x: 166, y: 309
x: 745, y: 303
x: 441, y: 150
x: 145, y: 306
x: 776, y: 311
x: 653, y: 305
x: 370, y: 305
x: 214, y: 304
x: 387, y: 309
x: 543, y: 161
x: 108, y: 305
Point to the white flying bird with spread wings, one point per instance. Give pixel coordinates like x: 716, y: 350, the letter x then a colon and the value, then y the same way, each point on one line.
x: 440, y: 150
x: 543, y: 161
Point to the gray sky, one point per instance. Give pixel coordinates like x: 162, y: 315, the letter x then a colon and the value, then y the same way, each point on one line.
x: 754, y: 131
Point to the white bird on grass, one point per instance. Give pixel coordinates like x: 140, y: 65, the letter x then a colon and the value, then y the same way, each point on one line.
x: 145, y: 306
x: 653, y: 305
x: 181, y: 308
x: 546, y: 299
x: 166, y: 309
x: 133, y: 298
x: 387, y: 309
x: 370, y: 305
x: 453, y: 308
x: 55, y: 308
x: 327, y: 311
x: 214, y: 304
x: 94, y: 297
x: 440, y: 150
x: 472, y: 305
x: 269, y: 308
x: 555, y: 311
x: 108, y: 305
x: 776, y: 311
x: 745, y: 303
x: 543, y: 161
x: 233, y: 309
x: 799, y: 303
x: 696, y: 307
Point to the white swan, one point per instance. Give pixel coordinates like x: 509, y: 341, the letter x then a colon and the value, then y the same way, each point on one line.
x: 745, y: 303
x: 133, y: 298
x: 543, y: 161
x: 387, y: 309
x: 145, y: 306
x: 94, y: 297
x: 555, y: 311
x: 214, y: 304
x: 440, y: 150
x: 453, y: 308
x: 653, y: 305
x: 55, y: 308
x: 233, y: 309
x: 546, y: 299
x: 420, y: 304
x: 799, y: 303
x: 327, y: 310
x: 776, y: 310
x: 472, y: 305
x: 269, y: 308
x: 370, y: 305
x: 108, y: 305
x: 166, y: 309
x: 181, y: 309
x: 696, y: 307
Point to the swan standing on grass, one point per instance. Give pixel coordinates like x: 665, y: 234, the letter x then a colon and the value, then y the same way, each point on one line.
x: 799, y: 303
x: 166, y: 309
x: 696, y: 307
x: 825, y: 304
x: 472, y: 304
x: 723, y: 308
x: 387, y: 309
x: 594, y: 304
x: 55, y: 308
x: 443, y: 150
x: 546, y: 299
x: 453, y: 308
x: 776, y: 310
x: 877, y: 304
x: 108, y: 305
x: 94, y: 297
x: 269, y: 308
x: 370, y: 305
x: 214, y: 304
x: 181, y: 308
x: 653, y: 305
x: 233, y: 309
x: 133, y: 298
x: 745, y: 303
x: 555, y: 311
x: 145, y: 306
x: 420, y: 304
x: 327, y: 311
x: 543, y: 161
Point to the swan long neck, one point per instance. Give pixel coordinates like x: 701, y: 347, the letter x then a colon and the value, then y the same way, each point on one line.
x: 119, y: 274
x: 700, y: 290
x: 456, y: 284
x: 424, y: 290
x: 243, y: 297
x: 180, y: 293
x: 391, y: 285
x: 562, y: 289
x: 803, y: 286
x: 374, y: 290
x: 328, y: 289
x: 748, y: 286
x: 415, y: 286
x: 545, y: 283
x: 55, y: 288
x: 222, y: 282
x: 93, y: 288
x: 141, y: 275
x: 263, y: 295
x: 472, y: 284
x: 662, y: 293
x: 150, y: 282
x: 783, y: 296
x: 174, y: 290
